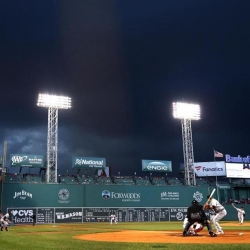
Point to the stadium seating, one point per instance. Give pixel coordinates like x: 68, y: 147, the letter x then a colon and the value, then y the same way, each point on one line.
x: 174, y: 182
x: 13, y: 178
x: 104, y: 180
x: 142, y: 181
x: 124, y: 180
x: 238, y: 183
x: 32, y: 178
x: 68, y: 179
x: 85, y: 180
x: 158, y: 181
x: 201, y: 182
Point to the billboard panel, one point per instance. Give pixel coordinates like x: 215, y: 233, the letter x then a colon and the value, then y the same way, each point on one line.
x: 22, y: 215
x: 214, y: 168
x: 142, y: 196
x: 43, y: 195
x: 156, y: 166
x: 238, y: 170
x: 88, y: 162
x: 23, y: 160
x: 63, y: 215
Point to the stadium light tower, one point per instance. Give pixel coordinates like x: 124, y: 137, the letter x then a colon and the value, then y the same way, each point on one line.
x: 53, y: 103
x: 187, y: 112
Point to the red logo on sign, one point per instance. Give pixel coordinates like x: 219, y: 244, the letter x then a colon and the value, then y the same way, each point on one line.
x: 198, y: 168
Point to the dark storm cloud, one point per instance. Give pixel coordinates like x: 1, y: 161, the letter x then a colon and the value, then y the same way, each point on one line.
x: 124, y: 63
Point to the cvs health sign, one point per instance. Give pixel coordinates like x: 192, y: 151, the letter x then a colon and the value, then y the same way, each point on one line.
x: 22, y: 215
x: 214, y: 168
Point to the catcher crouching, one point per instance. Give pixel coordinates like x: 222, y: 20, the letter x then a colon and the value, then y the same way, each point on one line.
x: 196, y: 214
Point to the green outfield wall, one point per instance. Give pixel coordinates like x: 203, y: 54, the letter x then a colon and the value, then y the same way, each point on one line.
x: 57, y: 203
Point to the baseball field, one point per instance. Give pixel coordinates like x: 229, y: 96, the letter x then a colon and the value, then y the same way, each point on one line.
x: 124, y: 235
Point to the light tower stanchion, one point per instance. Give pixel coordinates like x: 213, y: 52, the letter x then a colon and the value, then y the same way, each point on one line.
x: 188, y: 153
x: 53, y: 103
x: 187, y: 112
x: 52, y: 145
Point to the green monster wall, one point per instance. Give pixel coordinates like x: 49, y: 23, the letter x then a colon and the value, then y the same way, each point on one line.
x: 66, y: 201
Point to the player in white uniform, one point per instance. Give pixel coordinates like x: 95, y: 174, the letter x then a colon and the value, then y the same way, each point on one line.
x: 241, y: 213
x: 220, y: 212
x: 113, y: 219
x: 194, y: 229
x: 5, y: 221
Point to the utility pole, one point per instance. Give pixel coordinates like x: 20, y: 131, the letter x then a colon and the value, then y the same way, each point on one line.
x: 3, y: 169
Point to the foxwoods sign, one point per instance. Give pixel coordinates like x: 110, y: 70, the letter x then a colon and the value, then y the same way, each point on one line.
x: 237, y: 159
x: 88, y: 162
x: 125, y: 197
x: 156, y: 166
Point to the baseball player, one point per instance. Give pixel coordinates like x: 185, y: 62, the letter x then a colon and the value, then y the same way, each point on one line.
x: 194, y: 229
x: 113, y: 219
x: 241, y: 213
x: 5, y: 221
x: 196, y: 214
x: 220, y: 212
x: 211, y: 214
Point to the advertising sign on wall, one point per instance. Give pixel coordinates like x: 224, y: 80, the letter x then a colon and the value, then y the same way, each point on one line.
x: 22, y: 215
x: 88, y: 162
x: 156, y: 166
x: 238, y: 170
x: 43, y: 195
x: 237, y: 159
x: 214, y: 168
x: 63, y: 215
x: 22, y: 160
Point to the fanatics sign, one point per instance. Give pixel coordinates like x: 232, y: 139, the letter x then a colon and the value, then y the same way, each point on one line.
x: 214, y: 168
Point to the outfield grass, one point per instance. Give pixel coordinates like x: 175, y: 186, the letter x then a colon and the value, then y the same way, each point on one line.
x: 60, y: 236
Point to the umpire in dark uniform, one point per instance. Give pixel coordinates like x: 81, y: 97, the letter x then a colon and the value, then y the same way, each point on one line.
x: 195, y: 213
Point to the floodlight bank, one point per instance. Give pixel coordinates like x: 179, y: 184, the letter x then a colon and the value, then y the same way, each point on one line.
x: 186, y: 111
x: 54, y: 101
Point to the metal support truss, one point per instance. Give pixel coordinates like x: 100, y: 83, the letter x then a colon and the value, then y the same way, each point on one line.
x: 188, y: 152
x: 52, y: 142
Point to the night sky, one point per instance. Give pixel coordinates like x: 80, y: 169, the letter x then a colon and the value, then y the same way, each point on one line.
x: 123, y: 63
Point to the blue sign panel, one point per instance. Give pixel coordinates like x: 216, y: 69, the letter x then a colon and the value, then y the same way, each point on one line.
x: 156, y: 166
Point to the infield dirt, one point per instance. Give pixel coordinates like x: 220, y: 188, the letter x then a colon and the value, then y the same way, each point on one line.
x: 230, y: 236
